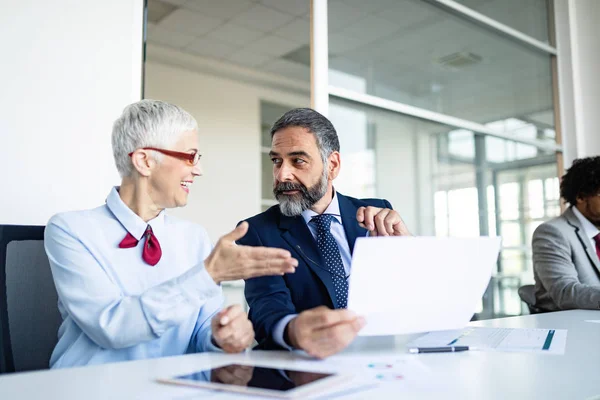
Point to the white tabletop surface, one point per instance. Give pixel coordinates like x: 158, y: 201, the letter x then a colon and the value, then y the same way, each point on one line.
x: 466, y: 375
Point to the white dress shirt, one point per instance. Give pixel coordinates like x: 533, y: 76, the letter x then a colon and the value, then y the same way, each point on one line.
x: 590, y: 229
x: 114, y: 306
x: 338, y: 233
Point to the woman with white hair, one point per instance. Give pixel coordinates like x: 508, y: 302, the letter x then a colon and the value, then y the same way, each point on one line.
x: 134, y: 282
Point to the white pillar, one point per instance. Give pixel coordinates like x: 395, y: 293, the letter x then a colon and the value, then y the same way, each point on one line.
x: 577, y: 33
x: 319, y: 57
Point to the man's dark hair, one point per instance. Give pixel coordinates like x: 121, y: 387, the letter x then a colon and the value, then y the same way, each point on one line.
x: 581, y: 180
x: 316, y: 123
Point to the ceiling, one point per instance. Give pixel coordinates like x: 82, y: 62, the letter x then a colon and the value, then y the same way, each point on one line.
x: 393, y: 48
x: 250, y: 33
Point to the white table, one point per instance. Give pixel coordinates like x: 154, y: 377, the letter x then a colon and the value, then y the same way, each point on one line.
x: 476, y: 375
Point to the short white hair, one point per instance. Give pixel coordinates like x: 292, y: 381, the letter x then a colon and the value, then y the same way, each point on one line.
x: 148, y: 123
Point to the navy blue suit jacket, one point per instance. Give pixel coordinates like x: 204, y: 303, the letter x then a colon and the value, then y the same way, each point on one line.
x: 273, y: 297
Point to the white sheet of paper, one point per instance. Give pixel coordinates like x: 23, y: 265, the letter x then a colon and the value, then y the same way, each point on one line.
x: 397, y: 370
x: 593, y: 321
x: 419, y: 284
x: 543, y: 341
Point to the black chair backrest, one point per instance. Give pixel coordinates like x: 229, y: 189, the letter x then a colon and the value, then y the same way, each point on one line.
x: 29, y: 317
x: 527, y: 295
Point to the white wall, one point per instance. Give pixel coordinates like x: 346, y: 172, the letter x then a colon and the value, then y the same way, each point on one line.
x: 577, y: 34
x: 228, y: 114
x: 68, y: 69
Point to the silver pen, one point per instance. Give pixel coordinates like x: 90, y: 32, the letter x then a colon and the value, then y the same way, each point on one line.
x: 442, y: 349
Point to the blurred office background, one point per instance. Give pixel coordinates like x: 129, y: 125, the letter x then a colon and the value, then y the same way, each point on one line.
x: 475, y: 154
x: 462, y: 113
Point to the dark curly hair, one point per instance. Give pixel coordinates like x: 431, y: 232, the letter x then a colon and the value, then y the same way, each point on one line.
x: 581, y: 180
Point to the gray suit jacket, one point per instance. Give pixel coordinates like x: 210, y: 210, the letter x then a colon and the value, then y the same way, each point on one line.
x: 565, y: 266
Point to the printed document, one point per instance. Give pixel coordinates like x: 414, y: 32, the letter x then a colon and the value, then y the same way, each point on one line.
x: 419, y: 284
x: 543, y: 341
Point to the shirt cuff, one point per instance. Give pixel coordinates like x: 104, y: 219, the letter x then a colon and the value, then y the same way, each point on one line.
x: 210, y: 345
x: 280, y: 329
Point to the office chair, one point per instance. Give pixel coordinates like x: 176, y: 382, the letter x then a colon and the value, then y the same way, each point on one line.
x: 527, y: 295
x: 29, y: 317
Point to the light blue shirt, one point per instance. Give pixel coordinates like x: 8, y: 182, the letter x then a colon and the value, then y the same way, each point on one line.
x: 338, y: 233
x: 114, y: 306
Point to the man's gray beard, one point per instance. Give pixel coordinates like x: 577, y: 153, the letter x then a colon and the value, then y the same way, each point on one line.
x: 292, y: 207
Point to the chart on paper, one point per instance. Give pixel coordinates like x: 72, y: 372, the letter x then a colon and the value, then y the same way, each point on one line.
x: 393, y: 368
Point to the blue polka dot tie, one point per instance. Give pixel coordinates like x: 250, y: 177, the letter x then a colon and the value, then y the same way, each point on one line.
x: 331, y: 254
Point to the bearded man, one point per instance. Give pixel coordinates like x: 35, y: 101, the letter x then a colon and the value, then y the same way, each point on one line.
x: 319, y: 226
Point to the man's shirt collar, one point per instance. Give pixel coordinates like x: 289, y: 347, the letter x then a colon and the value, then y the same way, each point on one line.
x: 333, y: 208
x: 590, y: 229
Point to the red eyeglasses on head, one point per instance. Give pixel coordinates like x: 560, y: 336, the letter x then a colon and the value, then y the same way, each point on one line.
x: 191, y: 158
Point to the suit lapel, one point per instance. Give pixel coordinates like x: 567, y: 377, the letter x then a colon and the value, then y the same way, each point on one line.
x: 351, y: 227
x: 585, y: 241
x: 298, y: 236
